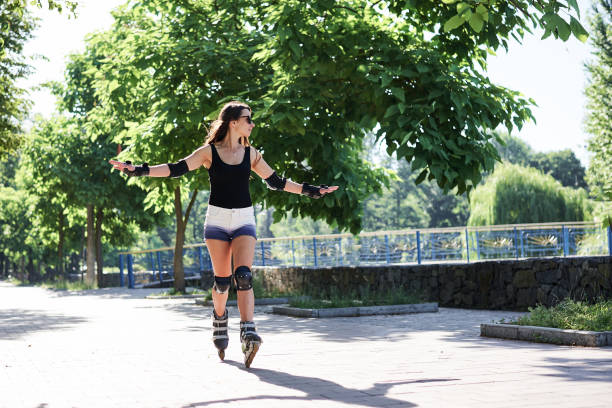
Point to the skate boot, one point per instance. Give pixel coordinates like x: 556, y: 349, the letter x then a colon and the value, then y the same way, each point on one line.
x: 250, y: 342
x: 220, y: 337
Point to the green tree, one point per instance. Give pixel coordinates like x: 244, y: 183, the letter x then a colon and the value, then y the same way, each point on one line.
x: 563, y: 165
x: 514, y: 194
x: 66, y: 174
x: 599, y: 106
x: 513, y: 149
x: 16, y: 26
x: 15, y: 225
x: 319, y: 75
x: 106, y: 196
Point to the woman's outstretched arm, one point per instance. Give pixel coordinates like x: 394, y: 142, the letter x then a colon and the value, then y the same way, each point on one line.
x: 191, y: 162
x: 263, y: 170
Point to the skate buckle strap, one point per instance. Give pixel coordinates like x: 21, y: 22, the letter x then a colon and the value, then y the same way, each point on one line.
x: 247, y: 326
x: 220, y: 326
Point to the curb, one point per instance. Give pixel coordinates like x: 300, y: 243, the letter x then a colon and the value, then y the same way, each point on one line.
x: 172, y: 297
x: 357, y: 311
x: 547, y: 335
x: 258, y: 302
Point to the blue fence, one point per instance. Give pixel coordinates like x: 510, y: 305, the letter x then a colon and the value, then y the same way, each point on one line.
x: 466, y: 244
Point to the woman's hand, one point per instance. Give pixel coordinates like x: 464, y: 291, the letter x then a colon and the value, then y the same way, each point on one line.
x: 129, y: 169
x: 317, y: 191
x: 121, y: 165
x: 327, y: 189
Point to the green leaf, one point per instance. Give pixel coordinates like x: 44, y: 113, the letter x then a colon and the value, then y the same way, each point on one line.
x: 392, y: 110
x: 385, y: 80
x: 574, y: 5
x: 579, y: 32
x: 562, y: 27
x: 421, y: 177
x: 476, y: 22
x: 168, y: 128
x: 482, y: 11
x: 461, y: 7
x: 399, y: 94
x: 449, y: 1
x: 453, y: 23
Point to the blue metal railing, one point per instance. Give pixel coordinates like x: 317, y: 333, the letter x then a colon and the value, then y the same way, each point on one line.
x: 391, y: 247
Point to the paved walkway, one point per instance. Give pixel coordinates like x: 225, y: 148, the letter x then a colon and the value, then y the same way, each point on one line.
x: 113, y: 348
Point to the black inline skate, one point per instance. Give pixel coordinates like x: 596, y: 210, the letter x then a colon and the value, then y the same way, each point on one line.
x: 250, y: 342
x: 220, y: 337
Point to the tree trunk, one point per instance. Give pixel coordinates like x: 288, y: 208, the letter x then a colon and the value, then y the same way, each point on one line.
x: 60, y: 245
x: 99, y: 260
x: 30, y: 267
x: 91, y: 250
x: 181, y: 224
x: 22, y: 270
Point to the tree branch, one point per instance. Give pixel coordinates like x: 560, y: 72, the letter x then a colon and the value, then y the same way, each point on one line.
x: 348, y: 8
x: 520, y: 8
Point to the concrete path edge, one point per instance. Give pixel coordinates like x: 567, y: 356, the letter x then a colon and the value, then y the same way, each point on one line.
x: 547, y: 335
x: 258, y: 302
x: 356, y: 311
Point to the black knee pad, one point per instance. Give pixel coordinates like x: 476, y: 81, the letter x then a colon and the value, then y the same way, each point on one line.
x: 222, y: 284
x: 244, y: 278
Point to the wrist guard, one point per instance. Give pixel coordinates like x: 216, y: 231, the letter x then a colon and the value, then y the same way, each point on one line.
x: 312, y: 191
x: 138, y: 170
x: 275, y: 182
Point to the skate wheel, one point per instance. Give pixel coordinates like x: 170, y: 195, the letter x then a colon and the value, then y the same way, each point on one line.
x: 248, y: 357
x: 222, y: 354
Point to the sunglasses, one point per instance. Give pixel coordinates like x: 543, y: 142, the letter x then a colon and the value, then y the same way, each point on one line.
x: 248, y: 119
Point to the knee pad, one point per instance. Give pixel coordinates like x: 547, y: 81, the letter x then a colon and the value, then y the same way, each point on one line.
x: 244, y: 278
x: 222, y: 284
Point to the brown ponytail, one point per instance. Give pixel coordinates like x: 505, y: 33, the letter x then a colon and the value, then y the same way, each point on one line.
x: 219, y: 128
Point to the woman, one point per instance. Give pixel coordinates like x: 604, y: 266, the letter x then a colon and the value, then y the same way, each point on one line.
x: 230, y: 222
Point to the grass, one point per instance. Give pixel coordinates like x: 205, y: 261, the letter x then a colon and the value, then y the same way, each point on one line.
x: 570, y: 314
x: 57, y: 285
x: 336, y: 298
x: 173, y: 292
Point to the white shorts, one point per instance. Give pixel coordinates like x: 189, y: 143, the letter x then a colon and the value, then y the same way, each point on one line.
x: 226, y: 224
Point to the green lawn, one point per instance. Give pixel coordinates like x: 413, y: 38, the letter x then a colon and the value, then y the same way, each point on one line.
x: 570, y: 314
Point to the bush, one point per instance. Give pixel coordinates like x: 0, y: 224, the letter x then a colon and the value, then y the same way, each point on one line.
x: 570, y: 314
x: 515, y: 194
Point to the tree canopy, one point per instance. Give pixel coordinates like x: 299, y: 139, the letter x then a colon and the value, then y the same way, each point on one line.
x: 319, y: 76
x: 514, y: 194
x: 599, y: 105
x: 16, y: 26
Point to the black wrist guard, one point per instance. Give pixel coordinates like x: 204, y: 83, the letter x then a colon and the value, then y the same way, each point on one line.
x: 275, y: 182
x: 312, y: 191
x: 138, y: 170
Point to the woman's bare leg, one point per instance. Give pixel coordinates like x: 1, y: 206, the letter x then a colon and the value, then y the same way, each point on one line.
x: 243, y: 250
x: 220, y: 255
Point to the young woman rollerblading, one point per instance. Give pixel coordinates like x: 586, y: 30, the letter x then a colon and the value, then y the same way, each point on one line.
x: 229, y: 229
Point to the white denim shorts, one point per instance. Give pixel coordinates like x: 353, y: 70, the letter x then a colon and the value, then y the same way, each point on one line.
x: 226, y: 224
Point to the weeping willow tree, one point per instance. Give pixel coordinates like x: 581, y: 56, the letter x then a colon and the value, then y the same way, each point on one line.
x: 515, y: 194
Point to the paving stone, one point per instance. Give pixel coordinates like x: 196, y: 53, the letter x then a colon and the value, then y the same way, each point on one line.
x: 114, y: 348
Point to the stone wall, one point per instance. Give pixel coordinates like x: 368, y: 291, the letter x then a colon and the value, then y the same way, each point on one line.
x: 140, y: 278
x: 508, y: 284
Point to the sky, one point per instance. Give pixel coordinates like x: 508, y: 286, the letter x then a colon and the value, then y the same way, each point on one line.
x: 549, y: 71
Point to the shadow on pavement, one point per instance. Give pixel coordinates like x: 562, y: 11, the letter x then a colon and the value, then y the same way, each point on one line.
x: 319, y: 389
x: 105, y: 293
x: 16, y: 323
x: 459, y: 325
x: 591, y: 369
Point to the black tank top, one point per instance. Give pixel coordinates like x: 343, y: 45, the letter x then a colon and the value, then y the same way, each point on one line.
x: 229, y: 184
